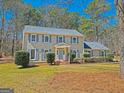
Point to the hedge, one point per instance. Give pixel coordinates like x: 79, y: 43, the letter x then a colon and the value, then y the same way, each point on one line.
x: 50, y: 58
x: 22, y: 58
x: 72, y: 57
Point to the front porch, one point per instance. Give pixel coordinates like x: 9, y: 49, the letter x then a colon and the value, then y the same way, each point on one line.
x: 62, y: 52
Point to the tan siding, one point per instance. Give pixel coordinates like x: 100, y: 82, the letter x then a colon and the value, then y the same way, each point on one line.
x: 25, y: 41
x: 40, y: 45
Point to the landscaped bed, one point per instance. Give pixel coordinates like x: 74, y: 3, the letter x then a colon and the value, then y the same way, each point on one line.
x: 75, y: 78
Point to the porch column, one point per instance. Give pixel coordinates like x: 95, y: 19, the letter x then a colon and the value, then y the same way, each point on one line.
x: 69, y: 51
x: 65, y: 53
x: 55, y: 54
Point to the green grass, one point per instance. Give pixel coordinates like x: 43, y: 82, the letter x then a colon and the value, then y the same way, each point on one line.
x: 27, y: 80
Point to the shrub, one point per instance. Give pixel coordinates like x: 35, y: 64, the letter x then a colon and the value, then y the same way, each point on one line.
x: 86, y: 55
x: 94, y: 60
x: 22, y: 58
x: 50, y: 58
x: 110, y: 57
x: 72, y: 57
x: 78, y: 60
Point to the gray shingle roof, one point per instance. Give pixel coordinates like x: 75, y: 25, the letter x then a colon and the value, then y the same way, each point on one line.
x: 95, y: 45
x: 47, y: 30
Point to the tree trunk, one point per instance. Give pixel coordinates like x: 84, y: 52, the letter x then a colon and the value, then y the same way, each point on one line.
x: 2, y: 29
x: 120, y: 13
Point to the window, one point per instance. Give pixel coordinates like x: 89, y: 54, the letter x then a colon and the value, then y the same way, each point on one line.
x: 74, y: 40
x: 60, y: 39
x: 46, y: 38
x: 45, y: 56
x: 33, y: 53
x: 33, y: 38
x: 101, y: 53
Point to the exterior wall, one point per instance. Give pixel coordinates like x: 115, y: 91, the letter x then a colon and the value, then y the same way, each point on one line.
x: 50, y: 45
x: 78, y: 46
x: 96, y: 53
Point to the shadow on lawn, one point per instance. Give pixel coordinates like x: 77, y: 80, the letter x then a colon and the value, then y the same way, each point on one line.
x: 30, y: 66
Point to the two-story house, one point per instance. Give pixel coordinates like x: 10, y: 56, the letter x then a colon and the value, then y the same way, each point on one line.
x: 40, y: 40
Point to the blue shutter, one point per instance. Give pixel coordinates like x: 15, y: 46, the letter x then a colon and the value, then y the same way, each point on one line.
x: 71, y: 40
x: 42, y: 50
x: 64, y: 39
x: 77, y: 40
x: 56, y: 39
x: 42, y: 38
x: 29, y: 38
x: 37, y: 38
x: 37, y: 54
x: 29, y: 50
x: 50, y: 38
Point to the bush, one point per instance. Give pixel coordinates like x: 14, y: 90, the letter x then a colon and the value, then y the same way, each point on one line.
x: 110, y: 57
x: 72, y: 57
x: 50, y: 58
x: 78, y: 61
x: 94, y: 60
x: 22, y: 58
x: 86, y: 55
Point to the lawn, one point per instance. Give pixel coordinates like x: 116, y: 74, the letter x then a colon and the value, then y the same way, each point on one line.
x: 76, y: 78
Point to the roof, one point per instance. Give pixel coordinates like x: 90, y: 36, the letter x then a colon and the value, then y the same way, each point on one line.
x: 94, y: 45
x: 47, y: 30
x: 62, y: 45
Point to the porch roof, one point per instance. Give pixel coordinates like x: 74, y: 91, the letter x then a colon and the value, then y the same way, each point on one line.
x: 94, y: 45
x: 62, y: 45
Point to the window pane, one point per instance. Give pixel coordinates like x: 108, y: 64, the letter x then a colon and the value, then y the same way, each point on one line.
x: 74, y: 40
x: 33, y: 54
x: 46, y: 51
x: 60, y: 39
x: 46, y: 38
x: 33, y: 37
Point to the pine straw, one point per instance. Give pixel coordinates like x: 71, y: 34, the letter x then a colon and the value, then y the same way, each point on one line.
x: 74, y: 82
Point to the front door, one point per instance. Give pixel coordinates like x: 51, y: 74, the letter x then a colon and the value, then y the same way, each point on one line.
x: 60, y: 54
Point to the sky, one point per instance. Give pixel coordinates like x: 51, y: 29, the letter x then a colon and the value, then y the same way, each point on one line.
x: 74, y: 6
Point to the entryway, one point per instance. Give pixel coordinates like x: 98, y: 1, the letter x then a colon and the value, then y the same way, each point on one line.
x: 62, y: 52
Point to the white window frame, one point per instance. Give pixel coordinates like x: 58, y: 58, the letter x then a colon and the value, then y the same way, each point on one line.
x: 34, y: 55
x: 48, y: 38
x: 35, y: 37
x: 76, y: 40
x: 62, y: 39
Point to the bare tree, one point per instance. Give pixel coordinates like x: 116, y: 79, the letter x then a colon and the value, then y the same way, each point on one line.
x: 120, y: 14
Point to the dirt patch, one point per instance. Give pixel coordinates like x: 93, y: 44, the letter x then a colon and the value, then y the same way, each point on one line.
x: 73, y: 82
